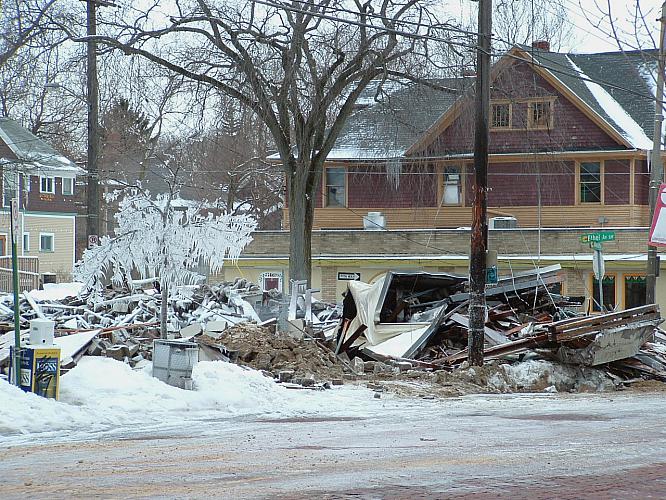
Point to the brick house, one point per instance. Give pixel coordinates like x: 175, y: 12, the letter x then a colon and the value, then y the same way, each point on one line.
x: 45, y: 182
x: 569, y: 145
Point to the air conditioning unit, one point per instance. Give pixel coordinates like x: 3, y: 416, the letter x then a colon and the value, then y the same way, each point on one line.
x: 374, y: 221
x: 502, y: 223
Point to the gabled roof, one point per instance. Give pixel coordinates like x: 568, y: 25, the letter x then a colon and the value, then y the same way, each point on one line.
x: 30, y: 152
x: 391, y: 116
x: 396, y: 118
x: 621, y: 90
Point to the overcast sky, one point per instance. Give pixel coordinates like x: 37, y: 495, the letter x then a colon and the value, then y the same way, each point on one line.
x: 583, y: 15
x: 591, y: 39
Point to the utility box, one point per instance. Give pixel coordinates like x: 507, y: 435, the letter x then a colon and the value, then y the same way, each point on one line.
x: 40, y: 370
x: 42, y: 332
x: 173, y: 362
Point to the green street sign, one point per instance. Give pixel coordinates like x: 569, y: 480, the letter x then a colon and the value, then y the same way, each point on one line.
x: 598, y: 237
x: 491, y: 275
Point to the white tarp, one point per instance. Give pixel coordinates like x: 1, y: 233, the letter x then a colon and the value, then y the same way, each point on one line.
x: 366, y: 297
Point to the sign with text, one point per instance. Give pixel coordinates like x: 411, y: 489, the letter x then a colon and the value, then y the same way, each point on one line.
x: 93, y: 240
x: 349, y: 276
x: 15, y: 219
x: 657, y: 237
x: 598, y: 237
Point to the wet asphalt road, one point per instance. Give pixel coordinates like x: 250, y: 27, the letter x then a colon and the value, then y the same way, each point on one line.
x: 559, y: 446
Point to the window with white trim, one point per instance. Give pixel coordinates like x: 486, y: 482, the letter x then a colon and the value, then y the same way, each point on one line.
x: 270, y: 281
x: 46, y: 242
x: 47, y: 184
x: 67, y: 186
x: 26, y: 242
x: 452, y: 187
x: 335, y: 187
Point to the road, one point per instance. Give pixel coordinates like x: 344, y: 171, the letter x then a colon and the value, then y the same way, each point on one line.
x: 507, y: 446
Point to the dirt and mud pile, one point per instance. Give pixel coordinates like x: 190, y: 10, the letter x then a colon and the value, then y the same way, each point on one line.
x: 261, y: 348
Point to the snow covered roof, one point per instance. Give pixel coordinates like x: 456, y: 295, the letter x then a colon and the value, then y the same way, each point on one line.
x: 624, y: 96
x: 31, y: 151
x: 391, y: 116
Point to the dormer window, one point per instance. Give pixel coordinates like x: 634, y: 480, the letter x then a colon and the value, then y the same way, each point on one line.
x: 500, y: 115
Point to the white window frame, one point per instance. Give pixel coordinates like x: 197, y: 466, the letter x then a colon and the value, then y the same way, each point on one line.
x: 41, y: 186
x: 26, y: 239
x: 270, y: 274
x: 71, y: 191
x: 52, y: 235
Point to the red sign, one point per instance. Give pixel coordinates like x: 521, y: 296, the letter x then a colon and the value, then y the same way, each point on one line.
x: 657, y: 236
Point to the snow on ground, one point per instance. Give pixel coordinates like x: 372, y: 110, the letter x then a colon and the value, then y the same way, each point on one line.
x: 56, y: 291
x: 102, y: 395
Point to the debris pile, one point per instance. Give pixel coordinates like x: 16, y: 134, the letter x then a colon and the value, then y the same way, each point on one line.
x: 419, y: 320
x: 287, y: 358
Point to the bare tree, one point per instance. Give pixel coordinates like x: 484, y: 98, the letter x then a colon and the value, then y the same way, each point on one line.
x: 299, y: 65
x: 229, y: 163
x: 524, y: 21
x: 22, y: 22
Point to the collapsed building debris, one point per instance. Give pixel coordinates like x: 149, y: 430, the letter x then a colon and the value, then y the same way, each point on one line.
x: 405, y: 324
x: 421, y: 318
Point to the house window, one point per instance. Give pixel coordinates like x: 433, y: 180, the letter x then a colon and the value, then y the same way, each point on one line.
x: 634, y: 290
x: 67, y: 186
x: 46, y: 242
x: 335, y: 187
x: 270, y: 281
x: 26, y: 242
x: 540, y: 114
x: 590, y: 182
x: 452, y: 186
x: 500, y: 115
x: 9, y: 185
x: 47, y: 185
x: 608, y: 285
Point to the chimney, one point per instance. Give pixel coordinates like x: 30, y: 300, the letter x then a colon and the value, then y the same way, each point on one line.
x: 541, y: 45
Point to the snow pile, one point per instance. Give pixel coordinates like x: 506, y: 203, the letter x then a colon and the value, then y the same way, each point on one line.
x: 629, y: 128
x: 57, y: 291
x: 539, y: 375
x: 102, y: 394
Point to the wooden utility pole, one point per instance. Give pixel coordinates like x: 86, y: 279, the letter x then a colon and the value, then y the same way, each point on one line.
x: 657, y: 166
x: 92, y: 223
x: 479, y: 240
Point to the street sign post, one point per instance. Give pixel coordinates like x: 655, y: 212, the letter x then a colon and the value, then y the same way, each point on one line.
x: 93, y: 240
x: 598, y: 237
x: 595, y: 241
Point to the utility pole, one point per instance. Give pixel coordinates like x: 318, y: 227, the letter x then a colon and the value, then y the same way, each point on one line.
x: 479, y: 240
x: 92, y: 221
x: 16, y: 367
x: 657, y: 166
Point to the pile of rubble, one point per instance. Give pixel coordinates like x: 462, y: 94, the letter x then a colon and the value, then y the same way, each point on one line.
x: 124, y: 324
x: 287, y: 358
x: 419, y: 321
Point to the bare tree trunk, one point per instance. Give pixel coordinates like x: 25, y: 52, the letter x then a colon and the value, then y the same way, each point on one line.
x: 301, y: 215
x: 163, y: 310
